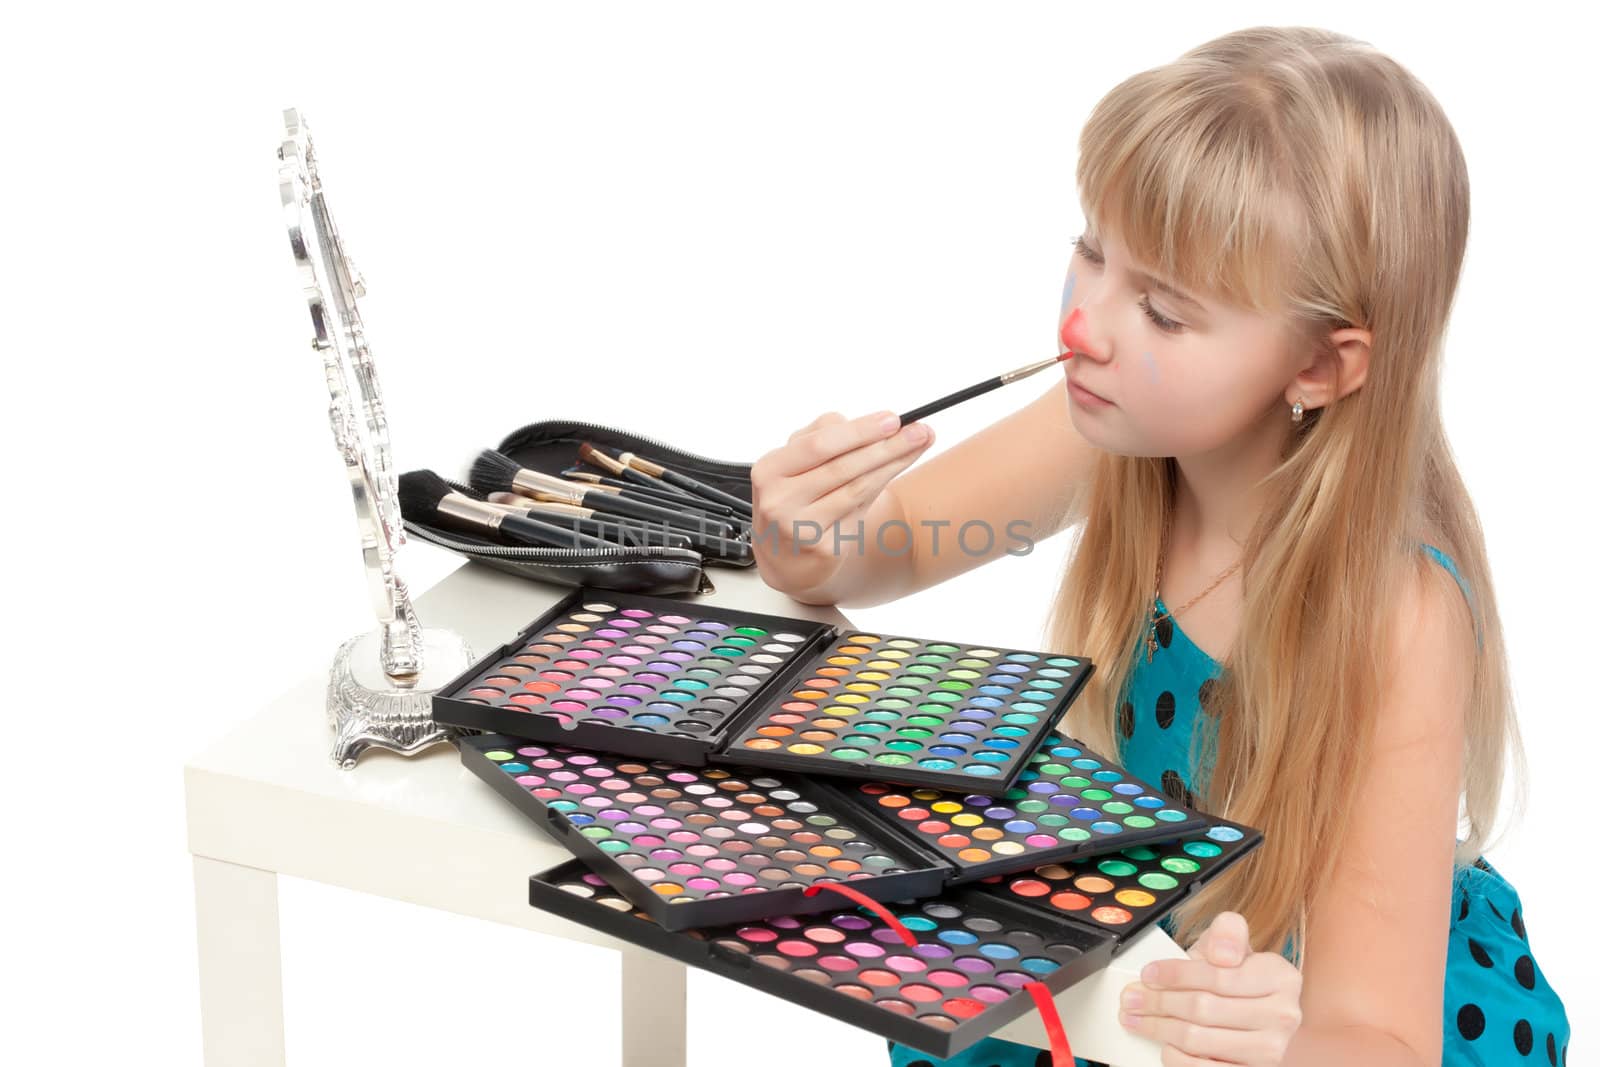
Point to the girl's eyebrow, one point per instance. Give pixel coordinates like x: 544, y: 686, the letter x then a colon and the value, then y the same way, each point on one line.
x: 1171, y: 290
x: 1159, y: 284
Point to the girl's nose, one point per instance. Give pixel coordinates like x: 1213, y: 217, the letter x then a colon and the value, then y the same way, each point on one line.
x: 1075, y: 334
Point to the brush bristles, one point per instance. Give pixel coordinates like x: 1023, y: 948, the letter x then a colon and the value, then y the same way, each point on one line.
x: 493, y: 472
x: 420, y: 493
x: 594, y: 457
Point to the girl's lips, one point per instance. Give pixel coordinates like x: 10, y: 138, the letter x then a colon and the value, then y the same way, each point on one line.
x: 1086, y: 395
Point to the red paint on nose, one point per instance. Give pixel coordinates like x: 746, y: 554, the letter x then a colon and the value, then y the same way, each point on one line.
x: 1072, y: 331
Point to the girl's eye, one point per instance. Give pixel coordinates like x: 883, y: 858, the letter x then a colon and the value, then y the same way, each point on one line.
x: 1162, y: 322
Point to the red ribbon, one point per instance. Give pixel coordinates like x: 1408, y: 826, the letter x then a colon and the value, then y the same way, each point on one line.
x: 872, y: 905
x: 1060, y: 1051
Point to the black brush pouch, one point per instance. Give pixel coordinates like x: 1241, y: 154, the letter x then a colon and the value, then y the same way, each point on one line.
x: 551, y: 446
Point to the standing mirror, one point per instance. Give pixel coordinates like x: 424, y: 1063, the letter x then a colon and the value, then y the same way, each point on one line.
x: 382, y: 682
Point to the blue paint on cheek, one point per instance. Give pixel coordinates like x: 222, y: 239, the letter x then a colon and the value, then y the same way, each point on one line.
x: 1066, y: 293
x: 1150, y: 367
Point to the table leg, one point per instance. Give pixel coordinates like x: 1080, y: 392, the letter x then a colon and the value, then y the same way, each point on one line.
x: 241, y: 971
x: 654, y: 1010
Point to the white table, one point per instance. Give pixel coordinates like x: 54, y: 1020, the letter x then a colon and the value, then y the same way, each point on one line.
x: 267, y: 800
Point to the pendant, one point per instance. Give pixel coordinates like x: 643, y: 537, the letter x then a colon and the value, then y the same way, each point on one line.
x: 1150, y: 644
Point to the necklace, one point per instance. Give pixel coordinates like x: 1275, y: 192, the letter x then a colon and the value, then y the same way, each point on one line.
x: 1150, y: 640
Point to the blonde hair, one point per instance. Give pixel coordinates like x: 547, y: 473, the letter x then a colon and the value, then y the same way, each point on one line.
x: 1293, y: 171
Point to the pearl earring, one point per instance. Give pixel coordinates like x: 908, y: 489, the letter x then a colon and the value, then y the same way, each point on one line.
x: 1298, y: 412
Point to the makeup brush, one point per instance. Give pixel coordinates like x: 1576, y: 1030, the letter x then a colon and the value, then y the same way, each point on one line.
x: 659, y: 497
x: 982, y: 387
x: 667, y: 536
x: 637, y: 464
x: 588, y: 453
x: 429, y: 498
x: 665, y: 495
x: 493, y: 472
x: 672, y: 537
x: 585, y: 520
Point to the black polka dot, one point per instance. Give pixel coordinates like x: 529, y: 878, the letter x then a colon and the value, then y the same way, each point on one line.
x: 1523, y: 969
x: 1166, y: 707
x: 1177, y: 792
x: 1462, y: 914
x: 1516, y: 923
x: 1550, y: 1048
x: 919, y: 1063
x: 1496, y: 910
x: 1480, y: 953
x: 1125, y: 718
x: 1164, y: 630
x: 1044, y: 1059
x: 1523, y: 1036
x: 1208, y: 692
x: 1469, y: 1020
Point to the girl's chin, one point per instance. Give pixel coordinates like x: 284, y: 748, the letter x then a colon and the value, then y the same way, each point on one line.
x: 1097, y: 433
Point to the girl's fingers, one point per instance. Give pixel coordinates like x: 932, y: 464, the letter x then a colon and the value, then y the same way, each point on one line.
x: 852, y: 472
x: 1226, y: 942
x: 1201, y: 1007
x: 823, y: 441
x: 860, y: 490
x: 1261, y: 974
x: 826, y: 418
x: 1176, y: 1057
x: 1207, y: 1044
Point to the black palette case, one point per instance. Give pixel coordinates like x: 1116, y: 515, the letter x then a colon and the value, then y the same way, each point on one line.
x: 796, y: 958
x: 701, y: 846
x: 659, y: 678
x: 976, y: 949
x: 550, y: 446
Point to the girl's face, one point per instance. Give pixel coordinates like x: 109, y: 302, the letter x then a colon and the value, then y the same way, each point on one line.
x: 1170, y: 373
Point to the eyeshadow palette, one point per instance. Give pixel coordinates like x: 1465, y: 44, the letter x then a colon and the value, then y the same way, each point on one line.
x: 697, y: 846
x: 659, y: 678
x: 914, y: 711
x: 976, y: 948
x: 628, y: 674
x: 964, y: 976
x: 1125, y: 891
x: 1067, y: 802
x: 694, y: 846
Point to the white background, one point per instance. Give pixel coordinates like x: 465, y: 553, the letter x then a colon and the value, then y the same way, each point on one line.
x: 705, y: 223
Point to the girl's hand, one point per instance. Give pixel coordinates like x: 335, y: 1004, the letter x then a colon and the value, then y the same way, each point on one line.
x: 824, y: 478
x: 1223, y: 1005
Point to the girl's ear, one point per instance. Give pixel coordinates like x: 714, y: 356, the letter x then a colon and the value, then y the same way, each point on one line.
x: 1339, y: 369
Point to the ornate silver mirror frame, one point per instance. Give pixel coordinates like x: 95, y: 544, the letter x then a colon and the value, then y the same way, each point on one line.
x: 381, y: 685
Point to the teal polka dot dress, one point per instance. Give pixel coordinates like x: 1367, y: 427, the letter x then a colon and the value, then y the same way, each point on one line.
x: 1498, y: 1008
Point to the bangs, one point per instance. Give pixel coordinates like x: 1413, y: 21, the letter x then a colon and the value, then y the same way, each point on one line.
x: 1184, y: 174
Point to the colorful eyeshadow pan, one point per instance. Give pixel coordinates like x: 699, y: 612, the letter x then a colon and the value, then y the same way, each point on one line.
x: 1067, y: 802
x: 643, y: 676
x: 908, y: 710
x: 697, y: 846
x: 1125, y: 891
x: 660, y: 678
x: 965, y: 976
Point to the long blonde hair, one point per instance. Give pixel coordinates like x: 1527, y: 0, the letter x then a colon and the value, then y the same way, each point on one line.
x: 1293, y: 171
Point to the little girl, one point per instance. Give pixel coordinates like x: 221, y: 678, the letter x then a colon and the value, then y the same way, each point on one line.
x: 1249, y: 439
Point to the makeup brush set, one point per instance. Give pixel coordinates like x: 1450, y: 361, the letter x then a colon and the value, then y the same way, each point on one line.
x: 890, y: 830
x: 573, y: 503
